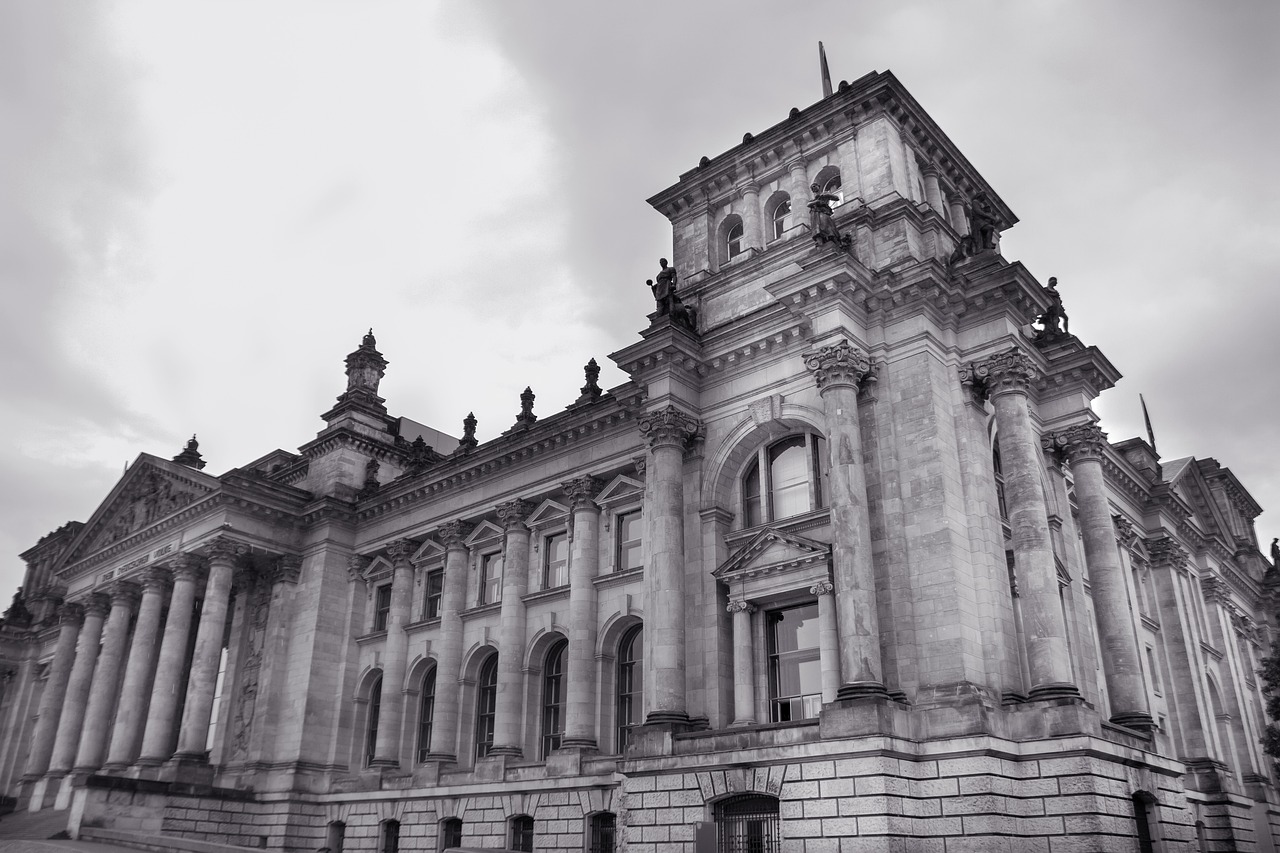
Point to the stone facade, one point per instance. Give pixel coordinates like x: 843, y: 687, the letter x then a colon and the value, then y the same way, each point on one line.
x: 847, y: 564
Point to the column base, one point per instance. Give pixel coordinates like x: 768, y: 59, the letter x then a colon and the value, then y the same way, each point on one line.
x: 859, y: 689
x: 567, y: 760
x: 865, y: 714
x: 509, y: 751
x: 585, y: 744
x: 1054, y: 690
x: 189, y: 769
x: 666, y: 717
x: 1139, y: 720
x: 38, y: 791
x: 442, y: 757
x: 384, y: 764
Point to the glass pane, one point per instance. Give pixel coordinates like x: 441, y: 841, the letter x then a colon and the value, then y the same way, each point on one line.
x: 751, y: 497
x: 556, y: 561
x: 629, y: 541
x: 789, y: 474
x: 781, y: 218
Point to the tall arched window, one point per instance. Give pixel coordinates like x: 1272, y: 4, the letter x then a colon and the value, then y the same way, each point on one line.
x: 486, y: 705
x: 781, y: 215
x: 426, y: 713
x: 748, y: 823
x: 731, y: 236
x: 832, y: 185
x: 794, y: 480
x: 553, y: 698
x: 371, y: 732
x: 630, y: 685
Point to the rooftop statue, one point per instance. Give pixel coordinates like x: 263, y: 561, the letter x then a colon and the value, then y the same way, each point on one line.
x: 1055, y: 315
x: 668, y: 302
x: 822, y: 219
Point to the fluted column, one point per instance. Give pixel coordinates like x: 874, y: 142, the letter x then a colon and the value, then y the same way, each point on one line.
x: 744, y: 666
x: 509, y: 712
x: 77, y: 698
x: 751, y: 229
x: 193, y: 734
x: 55, y: 691
x: 395, y: 656
x: 1006, y: 378
x: 838, y: 370
x: 828, y: 640
x: 584, y: 565
x: 106, y: 677
x: 667, y: 431
x: 138, y: 672
x: 444, y: 727
x: 1121, y: 664
x: 159, y: 735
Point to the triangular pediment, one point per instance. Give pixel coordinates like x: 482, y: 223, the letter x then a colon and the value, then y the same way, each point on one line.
x: 1190, y: 485
x: 620, y: 490
x: 548, y: 513
x: 485, y: 531
x: 773, y: 550
x: 379, y: 566
x: 428, y: 551
x: 152, y: 490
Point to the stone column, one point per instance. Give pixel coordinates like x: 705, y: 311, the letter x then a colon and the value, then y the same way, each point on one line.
x: 166, y: 690
x: 193, y: 734
x: 751, y: 216
x: 127, y: 735
x: 667, y: 431
x: 1006, y: 378
x: 744, y: 667
x: 958, y: 220
x: 77, y: 697
x: 106, y: 677
x: 55, y: 692
x: 584, y: 565
x: 395, y: 656
x: 1083, y: 446
x: 798, y: 187
x: 932, y: 192
x: 838, y: 369
x: 509, y: 713
x: 828, y: 640
x: 444, y: 726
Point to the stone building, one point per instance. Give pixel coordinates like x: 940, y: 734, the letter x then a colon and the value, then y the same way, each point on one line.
x: 847, y: 559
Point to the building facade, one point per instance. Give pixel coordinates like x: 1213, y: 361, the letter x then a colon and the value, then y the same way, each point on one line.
x: 847, y: 564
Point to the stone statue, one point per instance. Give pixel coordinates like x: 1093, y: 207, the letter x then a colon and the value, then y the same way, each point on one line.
x: 984, y: 224
x: 1055, y: 316
x: 1275, y: 552
x: 822, y: 219
x: 668, y: 302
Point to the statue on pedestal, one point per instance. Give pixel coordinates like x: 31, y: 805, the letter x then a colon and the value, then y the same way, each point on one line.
x: 822, y: 219
x: 668, y: 301
x: 1053, y: 317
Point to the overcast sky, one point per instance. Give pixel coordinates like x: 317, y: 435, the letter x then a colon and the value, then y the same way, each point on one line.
x: 203, y: 206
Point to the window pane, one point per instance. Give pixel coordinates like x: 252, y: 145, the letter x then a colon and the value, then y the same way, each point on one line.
x: 486, y: 705
x: 630, y: 685
x: 451, y: 833
x: 795, y: 673
x: 435, y: 589
x: 630, y: 533
x: 556, y: 561
x: 734, y: 240
x: 781, y: 218
x: 751, y: 509
x: 375, y: 707
x: 426, y: 713
x: 491, y: 578
x: 789, y: 474
x: 553, y: 699
x: 381, y: 607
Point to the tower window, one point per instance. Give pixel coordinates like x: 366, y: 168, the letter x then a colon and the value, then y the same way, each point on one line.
x: 794, y: 480
x: 733, y: 240
x: 781, y: 218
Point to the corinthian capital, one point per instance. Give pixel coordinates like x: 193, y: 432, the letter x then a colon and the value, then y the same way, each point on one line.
x: 1125, y: 534
x: 125, y: 592
x: 453, y: 533
x: 1166, y: 552
x: 741, y: 607
x: 582, y: 491
x: 1008, y: 372
x: 225, y: 549
x: 71, y: 613
x: 668, y: 426
x: 838, y: 365
x: 513, y: 513
x: 400, y: 551
x: 1079, y: 443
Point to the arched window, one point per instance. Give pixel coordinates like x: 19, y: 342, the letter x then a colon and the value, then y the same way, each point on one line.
x: 630, y: 684
x: 426, y: 713
x: 603, y: 832
x: 733, y: 233
x: 794, y: 480
x: 486, y: 705
x: 781, y: 216
x: 371, y: 732
x: 522, y: 832
x: 553, y: 699
x: 748, y: 823
x: 832, y: 185
x: 389, y: 836
x: 450, y: 833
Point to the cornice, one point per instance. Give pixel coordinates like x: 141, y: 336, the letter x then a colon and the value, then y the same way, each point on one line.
x: 330, y: 440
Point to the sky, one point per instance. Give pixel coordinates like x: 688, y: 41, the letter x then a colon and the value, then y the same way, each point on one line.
x: 204, y: 206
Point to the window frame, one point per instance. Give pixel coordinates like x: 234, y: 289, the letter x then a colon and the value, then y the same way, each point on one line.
x: 602, y: 825
x: 450, y: 832
x: 734, y: 236
x: 490, y: 591
x: 758, y: 504
x: 781, y: 219
x: 522, y: 832
x: 486, y: 711
x: 628, y: 672
x: 381, y: 606
x: 371, y: 720
x: 433, y: 594
x: 624, y: 546
x: 774, y: 660
x: 426, y: 712
x: 547, y: 563
x: 553, y: 698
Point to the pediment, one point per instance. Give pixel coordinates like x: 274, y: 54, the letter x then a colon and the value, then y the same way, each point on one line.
x: 484, y: 532
x: 377, y: 567
x: 149, y: 492
x: 620, y: 490
x: 428, y: 551
x: 773, y: 550
x: 548, y: 513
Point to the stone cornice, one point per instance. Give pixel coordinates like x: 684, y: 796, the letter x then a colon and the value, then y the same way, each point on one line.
x: 331, y: 439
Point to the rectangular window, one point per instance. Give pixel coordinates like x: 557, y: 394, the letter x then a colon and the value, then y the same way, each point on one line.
x: 555, y: 561
x: 795, y: 674
x: 630, y: 533
x: 381, y: 607
x: 435, y: 591
x: 490, y: 578
x: 1155, y: 673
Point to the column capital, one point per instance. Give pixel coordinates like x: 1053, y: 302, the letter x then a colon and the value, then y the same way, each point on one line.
x: 929, y: 169
x: 511, y: 515
x: 356, y: 564
x: 749, y: 188
x: 741, y: 606
x: 401, y: 551
x: 184, y: 567
x: 224, y: 549
x: 1008, y: 372
x: 669, y: 426
x: 286, y: 569
x: 71, y: 613
x: 155, y: 579
x: 1166, y: 552
x: 582, y: 491
x: 125, y: 592
x: 822, y: 588
x: 839, y: 365
x: 1079, y: 443
x: 96, y: 604
x: 1125, y: 534
x: 453, y: 533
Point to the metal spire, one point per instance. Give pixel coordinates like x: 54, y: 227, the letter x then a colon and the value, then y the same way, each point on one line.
x: 826, y: 72
x: 1151, y: 436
